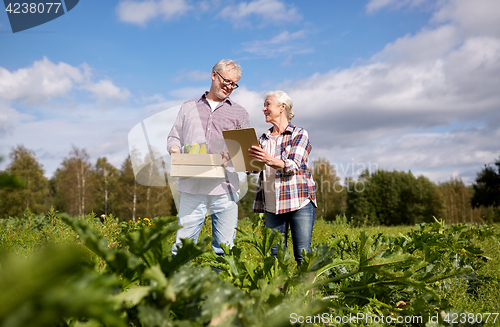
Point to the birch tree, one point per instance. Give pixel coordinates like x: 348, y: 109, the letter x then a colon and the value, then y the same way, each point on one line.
x: 105, y: 182
x: 74, y: 183
x: 128, y: 192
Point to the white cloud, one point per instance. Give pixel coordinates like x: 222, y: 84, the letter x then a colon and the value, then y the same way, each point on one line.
x: 187, y: 93
x: 367, y: 102
x: 45, y: 80
x: 474, y: 72
x: 40, y: 82
x: 478, y: 17
x: 395, y: 111
x: 367, y: 112
x: 435, y: 155
x: 194, y: 76
x: 155, y: 108
x: 137, y: 12
x: 205, y: 5
x: 9, y: 118
x: 140, y: 12
x: 105, y: 89
x: 445, y: 75
x: 281, y: 44
x: 153, y: 98
x: 376, y: 5
x: 197, y: 75
x: 286, y: 36
x: 270, y: 11
x: 429, y: 44
x: 437, y: 150
x: 253, y: 102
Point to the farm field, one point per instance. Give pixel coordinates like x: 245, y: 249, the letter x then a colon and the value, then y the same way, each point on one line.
x: 57, y: 270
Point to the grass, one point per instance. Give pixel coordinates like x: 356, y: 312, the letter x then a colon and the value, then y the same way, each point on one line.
x: 484, y: 297
x: 26, y: 236
x: 477, y: 298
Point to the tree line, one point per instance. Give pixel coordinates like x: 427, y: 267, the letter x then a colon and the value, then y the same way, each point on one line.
x: 79, y: 187
x: 399, y: 198
x: 376, y: 198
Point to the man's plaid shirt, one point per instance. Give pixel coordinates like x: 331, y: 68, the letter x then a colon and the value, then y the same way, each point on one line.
x: 294, y: 183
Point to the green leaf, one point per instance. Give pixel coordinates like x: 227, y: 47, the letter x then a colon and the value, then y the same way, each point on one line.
x: 134, y: 294
x: 155, y: 273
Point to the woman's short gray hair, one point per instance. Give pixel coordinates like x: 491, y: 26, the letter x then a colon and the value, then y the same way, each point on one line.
x: 282, y: 97
x: 222, y: 64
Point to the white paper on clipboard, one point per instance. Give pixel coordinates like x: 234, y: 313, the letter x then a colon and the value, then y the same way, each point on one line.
x: 238, y: 141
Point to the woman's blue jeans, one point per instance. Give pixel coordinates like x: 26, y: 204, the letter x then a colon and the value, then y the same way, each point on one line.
x: 301, y: 224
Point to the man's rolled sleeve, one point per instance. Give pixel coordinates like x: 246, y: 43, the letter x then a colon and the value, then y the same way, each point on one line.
x: 175, y: 135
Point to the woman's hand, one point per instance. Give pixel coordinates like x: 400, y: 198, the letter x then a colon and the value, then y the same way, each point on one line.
x: 225, y: 158
x: 260, y: 155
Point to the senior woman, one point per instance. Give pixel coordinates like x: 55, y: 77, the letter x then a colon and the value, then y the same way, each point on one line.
x: 286, y: 191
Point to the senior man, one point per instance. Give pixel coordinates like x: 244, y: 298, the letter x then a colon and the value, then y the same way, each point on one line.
x: 202, y: 121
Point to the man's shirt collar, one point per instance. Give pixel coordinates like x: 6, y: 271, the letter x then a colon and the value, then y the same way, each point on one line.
x: 204, y: 96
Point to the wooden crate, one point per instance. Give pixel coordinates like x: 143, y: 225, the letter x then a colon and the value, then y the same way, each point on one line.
x: 196, y: 165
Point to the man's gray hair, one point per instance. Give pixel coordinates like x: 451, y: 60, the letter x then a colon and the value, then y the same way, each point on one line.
x: 222, y: 64
x: 282, y: 97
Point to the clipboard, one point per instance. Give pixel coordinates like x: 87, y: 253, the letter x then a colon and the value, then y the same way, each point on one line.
x: 238, y: 141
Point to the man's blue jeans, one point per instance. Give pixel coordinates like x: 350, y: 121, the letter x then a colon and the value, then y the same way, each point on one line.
x: 192, y: 211
x: 301, y: 224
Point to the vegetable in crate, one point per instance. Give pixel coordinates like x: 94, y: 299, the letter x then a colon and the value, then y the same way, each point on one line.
x: 195, y: 149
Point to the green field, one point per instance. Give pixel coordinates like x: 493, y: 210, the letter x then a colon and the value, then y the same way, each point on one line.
x: 58, y: 270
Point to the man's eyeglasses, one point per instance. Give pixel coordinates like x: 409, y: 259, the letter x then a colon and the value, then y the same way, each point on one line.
x: 228, y: 83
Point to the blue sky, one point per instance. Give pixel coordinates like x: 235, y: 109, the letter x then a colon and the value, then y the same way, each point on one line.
x: 407, y: 84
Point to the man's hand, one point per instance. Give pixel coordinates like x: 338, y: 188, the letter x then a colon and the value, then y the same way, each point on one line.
x: 175, y: 149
